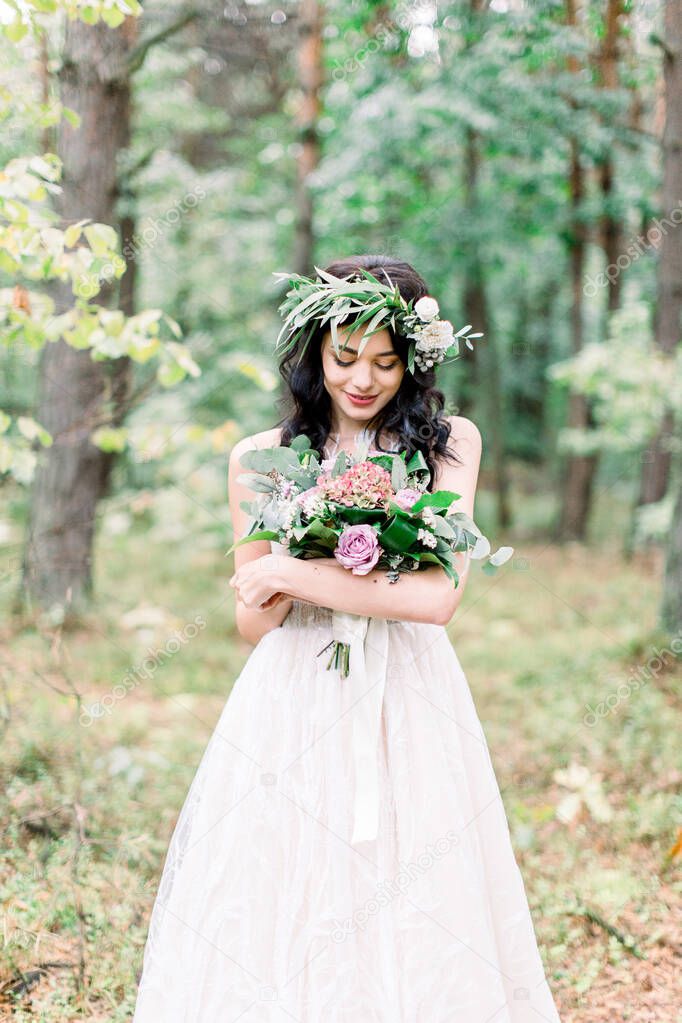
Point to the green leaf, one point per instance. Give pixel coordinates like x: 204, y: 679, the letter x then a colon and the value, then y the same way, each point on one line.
x: 102, y: 239
x: 398, y: 474
x: 73, y: 233
x: 32, y: 431
x: 417, y: 463
x: 284, y: 459
x: 356, y: 516
x: 173, y: 325
x: 410, y: 358
x: 263, y: 534
x: 170, y: 374
x: 317, y: 529
x: 73, y: 118
x: 255, y: 481
x: 398, y: 535
x: 258, y: 459
x: 501, y: 555
x: 15, y: 31
x: 441, y: 527
x: 438, y: 499
x: 112, y: 16
x: 108, y: 438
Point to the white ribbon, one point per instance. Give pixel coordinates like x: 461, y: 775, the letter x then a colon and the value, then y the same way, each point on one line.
x: 366, y: 679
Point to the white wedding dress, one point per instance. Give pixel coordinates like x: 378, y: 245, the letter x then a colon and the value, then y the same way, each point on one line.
x: 343, y: 853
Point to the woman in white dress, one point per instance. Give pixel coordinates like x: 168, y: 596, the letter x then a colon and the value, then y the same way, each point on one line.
x: 300, y: 882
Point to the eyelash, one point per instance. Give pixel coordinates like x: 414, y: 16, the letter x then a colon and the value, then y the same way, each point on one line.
x: 387, y: 368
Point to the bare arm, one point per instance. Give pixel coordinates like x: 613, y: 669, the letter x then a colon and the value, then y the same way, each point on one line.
x: 422, y: 596
x: 252, y: 623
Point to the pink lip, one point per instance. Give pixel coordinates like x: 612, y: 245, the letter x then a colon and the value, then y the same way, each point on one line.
x: 357, y: 400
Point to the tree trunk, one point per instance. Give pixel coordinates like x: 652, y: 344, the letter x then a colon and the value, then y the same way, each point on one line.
x: 671, y: 607
x: 667, y: 328
x: 578, y: 472
x: 486, y: 360
x: 310, y: 80
x: 669, y: 305
x: 76, y: 393
x: 610, y: 229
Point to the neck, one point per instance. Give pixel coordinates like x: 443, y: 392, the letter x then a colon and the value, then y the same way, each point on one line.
x: 344, y: 428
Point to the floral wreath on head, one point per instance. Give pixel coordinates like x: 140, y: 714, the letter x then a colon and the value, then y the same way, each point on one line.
x: 331, y: 299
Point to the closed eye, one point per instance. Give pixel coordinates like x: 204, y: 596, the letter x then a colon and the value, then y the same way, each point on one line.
x: 340, y: 363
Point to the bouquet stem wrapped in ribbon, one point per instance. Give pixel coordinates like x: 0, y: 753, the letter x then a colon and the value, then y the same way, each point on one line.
x: 364, y: 641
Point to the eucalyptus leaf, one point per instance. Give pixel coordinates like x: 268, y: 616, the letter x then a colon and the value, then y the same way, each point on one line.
x: 300, y: 443
x: 254, y: 481
x: 284, y: 459
x: 501, y: 556
x: 442, y: 527
x: 398, y: 474
x: 258, y: 459
x: 482, y: 548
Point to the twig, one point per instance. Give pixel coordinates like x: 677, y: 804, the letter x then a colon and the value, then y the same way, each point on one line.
x: 596, y: 918
x: 138, y: 54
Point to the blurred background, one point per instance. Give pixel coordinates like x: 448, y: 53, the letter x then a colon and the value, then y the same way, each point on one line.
x: 159, y: 163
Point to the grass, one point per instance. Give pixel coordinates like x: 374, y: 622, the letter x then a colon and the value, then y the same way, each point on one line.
x: 87, y: 810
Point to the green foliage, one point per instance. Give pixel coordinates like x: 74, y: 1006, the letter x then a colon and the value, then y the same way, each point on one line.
x: 85, y: 255
x: 630, y: 382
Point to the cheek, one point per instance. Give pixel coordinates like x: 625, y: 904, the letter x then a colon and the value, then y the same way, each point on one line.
x: 393, y: 381
x: 333, y: 374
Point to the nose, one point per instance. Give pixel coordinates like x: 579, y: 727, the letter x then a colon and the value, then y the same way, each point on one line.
x: 362, y: 379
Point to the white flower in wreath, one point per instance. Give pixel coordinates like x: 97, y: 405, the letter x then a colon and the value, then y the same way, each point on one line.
x: 436, y: 336
x: 426, y: 308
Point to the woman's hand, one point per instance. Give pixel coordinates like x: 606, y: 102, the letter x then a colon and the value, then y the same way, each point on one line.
x: 259, y: 583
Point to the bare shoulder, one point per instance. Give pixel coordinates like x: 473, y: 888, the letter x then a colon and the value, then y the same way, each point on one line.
x: 255, y: 441
x: 461, y: 475
x: 464, y: 432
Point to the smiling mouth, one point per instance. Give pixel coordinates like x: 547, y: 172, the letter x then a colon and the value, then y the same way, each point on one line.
x: 361, y: 397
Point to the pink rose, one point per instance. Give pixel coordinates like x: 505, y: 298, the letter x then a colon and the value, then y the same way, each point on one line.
x: 406, y: 498
x: 358, y: 549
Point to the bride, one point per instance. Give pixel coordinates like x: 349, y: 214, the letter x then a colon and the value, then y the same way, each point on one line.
x: 301, y: 883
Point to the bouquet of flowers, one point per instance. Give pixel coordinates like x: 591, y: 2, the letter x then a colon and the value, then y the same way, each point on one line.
x: 367, y: 511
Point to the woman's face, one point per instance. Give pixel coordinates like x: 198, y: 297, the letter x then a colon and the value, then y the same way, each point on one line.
x: 376, y: 374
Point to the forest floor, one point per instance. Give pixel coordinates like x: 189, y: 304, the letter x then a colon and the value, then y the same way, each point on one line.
x: 588, y: 762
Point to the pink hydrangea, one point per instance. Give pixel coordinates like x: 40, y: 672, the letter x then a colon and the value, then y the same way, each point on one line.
x: 363, y: 485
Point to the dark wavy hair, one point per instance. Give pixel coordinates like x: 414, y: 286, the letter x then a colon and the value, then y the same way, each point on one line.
x: 414, y: 413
